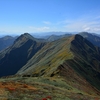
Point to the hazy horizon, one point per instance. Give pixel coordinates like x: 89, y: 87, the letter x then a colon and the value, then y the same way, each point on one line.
x: 39, y: 16
x: 38, y: 34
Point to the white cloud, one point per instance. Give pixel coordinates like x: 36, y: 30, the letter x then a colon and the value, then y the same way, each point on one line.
x: 83, y: 24
x: 21, y: 29
x: 47, y: 22
x: 87, y: 29
x: 97, y: 29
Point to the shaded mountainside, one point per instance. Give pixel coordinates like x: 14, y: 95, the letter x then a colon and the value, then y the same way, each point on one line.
x: 6, y: 42
x: 65, y: 69
x: 86, y: 61
x: 93, y: 38
x: 16, y: 56
x: 74, y: 58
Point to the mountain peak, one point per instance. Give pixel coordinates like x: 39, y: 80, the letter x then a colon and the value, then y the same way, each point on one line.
x: 7, y: 37
x: 24, y: 47
x: 27, y: 35
x: 23, y: 38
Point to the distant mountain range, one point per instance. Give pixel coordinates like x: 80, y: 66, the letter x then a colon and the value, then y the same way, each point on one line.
x: 6, y: 41
x: 74, y: 58
x: 46, y: 35
x: 94, y: 38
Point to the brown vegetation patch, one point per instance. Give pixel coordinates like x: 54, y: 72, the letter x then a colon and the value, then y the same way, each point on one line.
x: 13, y: 86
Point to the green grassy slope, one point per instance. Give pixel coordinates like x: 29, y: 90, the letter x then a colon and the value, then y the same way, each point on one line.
x: 48, y: 58
x: 40, y: 88
x: 86, y: 60
x: 74, y: 58
x: 66, y: 69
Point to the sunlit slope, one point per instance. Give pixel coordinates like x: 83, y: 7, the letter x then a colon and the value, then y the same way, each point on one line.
x: 74, y: 58
x: 49, y: 58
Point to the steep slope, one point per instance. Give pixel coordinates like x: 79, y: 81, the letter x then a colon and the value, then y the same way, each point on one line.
x: 14, y: 57
x: 93, y: 38
x: 74, y: 58
x: 50, y: 56
x: 6, y: 42
x: 86, y: 60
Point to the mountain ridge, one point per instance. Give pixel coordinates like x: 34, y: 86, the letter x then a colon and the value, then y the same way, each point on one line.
x: 6, y: 41
x: 70, y: 64
x: 18, y: 54
x: 76, y: 51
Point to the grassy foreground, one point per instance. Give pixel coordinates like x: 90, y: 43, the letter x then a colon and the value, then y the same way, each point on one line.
x: 41, y: 88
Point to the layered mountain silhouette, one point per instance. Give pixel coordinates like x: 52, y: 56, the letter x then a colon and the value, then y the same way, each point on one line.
x: 93, y: 38
x: 56, y: 37
x: 74, y: 58
x: 6, y: 42
x: 17, y: 55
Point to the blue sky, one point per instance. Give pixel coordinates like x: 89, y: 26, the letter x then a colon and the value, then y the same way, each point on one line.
x: 20, y: 16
